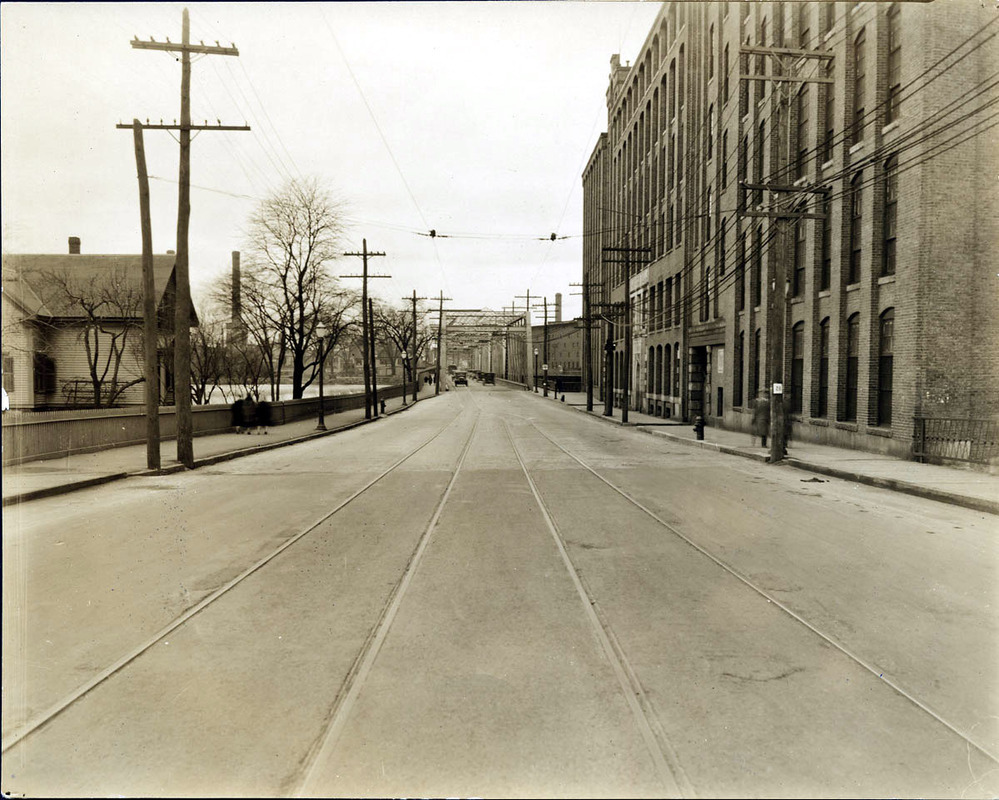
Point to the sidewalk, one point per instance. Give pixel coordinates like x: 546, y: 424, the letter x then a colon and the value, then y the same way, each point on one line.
x: 963, y: 487
x: 36, y: 479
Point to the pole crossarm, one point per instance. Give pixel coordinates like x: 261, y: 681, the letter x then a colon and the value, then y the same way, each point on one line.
x: 785, y: 78
x: 185, y: 47
x: 177, y: 127
x: 783, y: 187
x: 783, y: 215
x: 751, y: 50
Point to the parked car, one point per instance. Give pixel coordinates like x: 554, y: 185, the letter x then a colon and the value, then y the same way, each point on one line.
x: 460, y: 379
x: 489, y: 377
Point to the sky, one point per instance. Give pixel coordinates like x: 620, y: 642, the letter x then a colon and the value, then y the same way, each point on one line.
x: 474, y: 119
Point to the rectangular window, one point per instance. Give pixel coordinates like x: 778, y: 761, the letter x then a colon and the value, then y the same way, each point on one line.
x: 8, y: 373
x: 724, y: 161
x: 757, y: 278
x: 737, y: 367
x: 894, y: 64
x: 710, y: 134
x: 829, y: 138
x: 725, y: 83
x: 668, y: 303
x: 758, y: 165
x: 890, y: 212
x: 743, y: 170
x: 802, y: 160
x: 798, y: 276
x: 740, y: 273
x: 754, y: 375
x: 859, y: 81
x: 711, y: 52
x: 825, y: 267
x: 744, y: 85
x: 804, y: 34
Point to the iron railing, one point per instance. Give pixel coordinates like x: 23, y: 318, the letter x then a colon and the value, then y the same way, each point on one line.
x: 975, y: 441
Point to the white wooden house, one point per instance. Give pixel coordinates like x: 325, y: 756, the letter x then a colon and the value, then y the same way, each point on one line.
x: 68, y: 315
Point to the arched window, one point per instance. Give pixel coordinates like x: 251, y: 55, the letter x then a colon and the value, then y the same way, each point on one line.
x: 856, y: 227
x: 894, y: 63
x: 650, y: 372
x: 822, y: 409
x: 890, y: 211
x: 667, y: 369
x: 737, y: 367
x: 797, y: 367
x: 852, y: 368
x: 659, y: 369
x: 886, y: 347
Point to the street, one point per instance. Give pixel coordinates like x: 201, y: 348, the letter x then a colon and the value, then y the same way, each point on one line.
x: 494, y: 595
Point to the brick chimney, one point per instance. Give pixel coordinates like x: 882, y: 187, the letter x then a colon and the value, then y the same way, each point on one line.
x: 237, y: 303
x: 558, y: 306
x: 74, y: 245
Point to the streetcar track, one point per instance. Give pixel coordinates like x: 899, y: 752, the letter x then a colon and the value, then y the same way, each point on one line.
x: 664, y: 757
x: 42, y: 718
x: 772, y: 599
x: 356, y: 677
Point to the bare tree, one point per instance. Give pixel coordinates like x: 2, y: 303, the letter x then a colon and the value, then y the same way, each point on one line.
x: 396, y: 327
x: 293, y: 235
x: 106, y: 312
x: 208, y: 357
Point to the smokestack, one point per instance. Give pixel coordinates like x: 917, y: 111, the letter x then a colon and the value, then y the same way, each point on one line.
x: 237, y: 305
x: 74, y: 245
x: 558, y: 306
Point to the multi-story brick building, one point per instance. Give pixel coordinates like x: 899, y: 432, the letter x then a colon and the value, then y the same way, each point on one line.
x: 885, y: 228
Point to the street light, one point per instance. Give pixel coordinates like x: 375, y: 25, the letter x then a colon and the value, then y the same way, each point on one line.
x: 321, y: 333
x: 535, y: 370
x: 405, y: 363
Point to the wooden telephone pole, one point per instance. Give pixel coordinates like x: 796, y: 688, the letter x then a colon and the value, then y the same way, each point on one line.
x: 587, y: 342
x: 367, y: 336
x: 529, y: 337
x: 627, y: 252
x: 440, y: 341
x: 784, y: 215
x: 182, y: 319
x: 416, y: 382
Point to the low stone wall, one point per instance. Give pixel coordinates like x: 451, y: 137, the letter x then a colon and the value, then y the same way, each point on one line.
x: 33, y: 436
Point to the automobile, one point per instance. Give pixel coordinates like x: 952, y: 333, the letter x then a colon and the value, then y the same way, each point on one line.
x: 460, y: 379
x: 489, y: 377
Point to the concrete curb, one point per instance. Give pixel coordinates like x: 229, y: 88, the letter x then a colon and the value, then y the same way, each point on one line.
x: 892, y: 484
x: 65, y: 488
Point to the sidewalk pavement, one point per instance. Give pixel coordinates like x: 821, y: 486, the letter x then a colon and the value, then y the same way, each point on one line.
x: 36, y: 479
x: 955, y: 485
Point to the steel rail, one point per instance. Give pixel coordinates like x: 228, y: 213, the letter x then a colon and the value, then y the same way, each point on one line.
x: 44, y: 717
x: 664, y: 757
x: 358, y: 674
x: 879, y: 674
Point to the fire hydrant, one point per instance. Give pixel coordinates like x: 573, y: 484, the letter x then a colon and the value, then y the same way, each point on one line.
x: 382, y: 404
x: 699, y: 427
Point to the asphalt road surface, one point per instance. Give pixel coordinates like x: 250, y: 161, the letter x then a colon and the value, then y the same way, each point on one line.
x: 493, y: 595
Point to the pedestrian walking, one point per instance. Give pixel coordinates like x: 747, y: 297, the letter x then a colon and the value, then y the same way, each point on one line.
x: 761, y: 418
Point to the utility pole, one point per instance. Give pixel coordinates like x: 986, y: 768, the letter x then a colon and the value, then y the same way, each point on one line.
x: 529, y: 337
x: 416, y: 383
x: 374, y: 359
x: 149, y: 326
x: 587, y: 343
x: 182, y: 319
x: 366, y: 336
x: 440, y: 341
x: 784, y: 216
x: 627, y: 253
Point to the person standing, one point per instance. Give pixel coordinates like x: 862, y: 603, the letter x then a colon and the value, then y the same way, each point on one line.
x: 761, y: 418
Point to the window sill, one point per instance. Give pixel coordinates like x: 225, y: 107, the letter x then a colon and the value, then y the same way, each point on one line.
x: 819, y: 422
x: 890, y: 126
x: 797, y: 300
x: 801, y: 181
x: 883, y: 432
x: 824, y: 293
x: 856, y: 148
x: 886, y: 279
x: 847, y: 426
x: 827, y: 165
x: 853, y: 287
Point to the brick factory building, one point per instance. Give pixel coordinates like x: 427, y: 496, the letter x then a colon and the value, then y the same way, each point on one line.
x: 862, y: 261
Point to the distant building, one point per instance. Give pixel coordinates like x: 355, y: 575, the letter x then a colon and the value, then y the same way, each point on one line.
x: 892, y: 302
x: 565, y: 353
x: 71, y: 319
